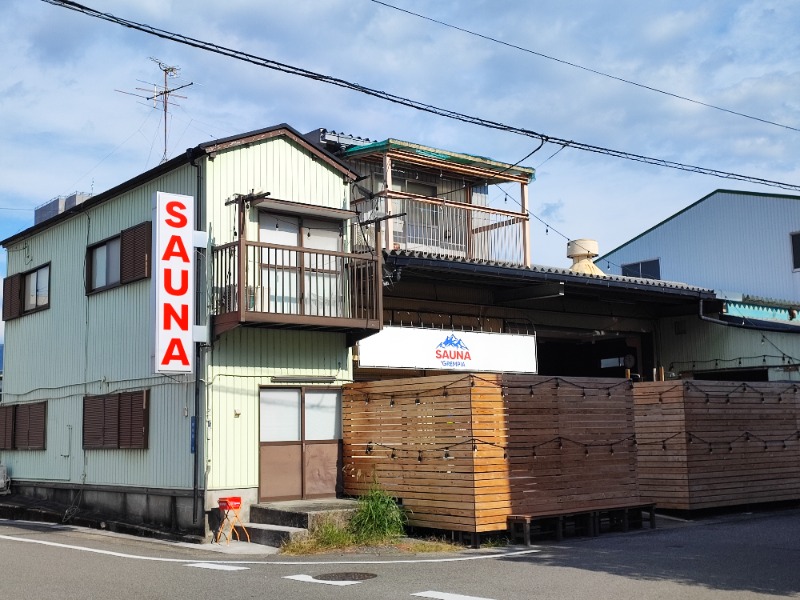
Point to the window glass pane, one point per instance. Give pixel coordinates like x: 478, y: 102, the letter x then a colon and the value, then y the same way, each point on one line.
x: 30, y: 291
x: 324, y: 235
x: 281, y: 230
x: 281, y: 292
x: 323, y: 294
x: 99, y: 267
x: 280, y: 415
x: 796, y: 250
x: 323, y: 415
x: 43, y: 286
x: 112, y: 261
x: 651, y: 269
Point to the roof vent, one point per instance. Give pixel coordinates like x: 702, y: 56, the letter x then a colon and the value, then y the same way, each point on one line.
x: 582, y: 252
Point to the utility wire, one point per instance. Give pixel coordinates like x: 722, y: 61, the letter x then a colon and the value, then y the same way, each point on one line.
x: 588, y: 69
x: 415, y: 104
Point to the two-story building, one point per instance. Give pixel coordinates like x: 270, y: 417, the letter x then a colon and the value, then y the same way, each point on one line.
x: 88, y: 406
x: 186, y: 335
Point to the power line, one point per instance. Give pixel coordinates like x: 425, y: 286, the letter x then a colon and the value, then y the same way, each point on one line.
x: 415, y: 104
x: 588, y: 69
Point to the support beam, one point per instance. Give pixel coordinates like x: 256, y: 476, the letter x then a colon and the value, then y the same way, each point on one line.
x: 531, y: 292
x: 526, y: 227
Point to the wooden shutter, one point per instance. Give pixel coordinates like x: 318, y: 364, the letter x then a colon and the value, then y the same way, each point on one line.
x: 21, y: 426
x: 134, y: 253
x: 101, y: 422
x: 7, y: 427
x: 37, y: 426
x: 12, y: 297
x: 133, y: 420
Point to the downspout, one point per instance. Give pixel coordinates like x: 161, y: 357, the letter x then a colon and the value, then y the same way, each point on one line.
x: 717, y: 321
x: 199, y: 219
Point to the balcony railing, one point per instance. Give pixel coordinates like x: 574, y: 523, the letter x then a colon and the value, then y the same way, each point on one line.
x: 273, y: 285
x: 449, y: 229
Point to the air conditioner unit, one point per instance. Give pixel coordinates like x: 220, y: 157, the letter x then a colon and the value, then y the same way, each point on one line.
x: 5, y: 482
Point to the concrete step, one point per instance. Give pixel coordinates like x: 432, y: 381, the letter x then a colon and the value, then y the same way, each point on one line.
x: 302, y: 514
x: 270, y: 535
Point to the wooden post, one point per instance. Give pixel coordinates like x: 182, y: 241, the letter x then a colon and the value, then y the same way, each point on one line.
x: 387, y: 185
x: 526, y: 225
x: 242, y: 258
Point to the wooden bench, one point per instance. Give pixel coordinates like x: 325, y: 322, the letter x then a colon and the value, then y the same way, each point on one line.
x: 590, y: 521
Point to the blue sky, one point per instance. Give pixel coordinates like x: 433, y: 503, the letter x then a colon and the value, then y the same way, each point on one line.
x: 65, y: 128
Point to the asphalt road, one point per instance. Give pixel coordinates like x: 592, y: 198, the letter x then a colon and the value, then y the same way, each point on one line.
x: 733, y: 557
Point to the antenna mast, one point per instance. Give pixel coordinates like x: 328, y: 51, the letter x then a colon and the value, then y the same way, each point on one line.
x: 162, y: 94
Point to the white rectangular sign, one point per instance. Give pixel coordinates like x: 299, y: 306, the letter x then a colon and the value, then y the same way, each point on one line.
x: 414, y: 348
x: 174, y: 290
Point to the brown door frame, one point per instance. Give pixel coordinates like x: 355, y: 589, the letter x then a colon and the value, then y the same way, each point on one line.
x: 301, y: 442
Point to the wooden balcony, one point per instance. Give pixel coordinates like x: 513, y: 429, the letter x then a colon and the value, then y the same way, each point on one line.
x: 267, y: 285
x: 445, y: 228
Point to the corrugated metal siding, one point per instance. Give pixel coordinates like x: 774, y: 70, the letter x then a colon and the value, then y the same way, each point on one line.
x: 728, y: 242
x: 708, y: 346
x: 243, y: 360
x: 276, y: 165
x: 94, y: 345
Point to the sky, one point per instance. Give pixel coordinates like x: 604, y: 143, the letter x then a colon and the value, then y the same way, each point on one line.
x: 68, y: 121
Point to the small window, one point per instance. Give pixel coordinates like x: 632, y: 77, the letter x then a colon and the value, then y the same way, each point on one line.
x: 119, y: 260
x: 23, y: 426
x: 648, y: 269
x: 796, y: 251
x: 116, y: 421
x: 26, y: 292
x: 104, y: 260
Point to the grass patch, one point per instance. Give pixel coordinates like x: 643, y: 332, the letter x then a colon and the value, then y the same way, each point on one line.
x: 378, y: 518
x: 327, y: 535
x: 377, y: 523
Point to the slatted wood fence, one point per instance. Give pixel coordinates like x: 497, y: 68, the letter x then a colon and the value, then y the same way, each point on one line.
x: 704, y: 444
x: 465, y: 451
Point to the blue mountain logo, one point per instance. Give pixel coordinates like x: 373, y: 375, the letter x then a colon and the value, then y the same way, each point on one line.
x: 451, y: 341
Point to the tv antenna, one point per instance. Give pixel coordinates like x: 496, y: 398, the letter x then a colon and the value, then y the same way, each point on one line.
x: 161, y: 94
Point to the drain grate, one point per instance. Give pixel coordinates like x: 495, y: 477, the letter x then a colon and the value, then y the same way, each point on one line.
x: 345, y: 576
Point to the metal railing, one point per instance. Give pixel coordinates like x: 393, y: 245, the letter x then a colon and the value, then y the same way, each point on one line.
x: 449, y: 229
x: 288, y: 280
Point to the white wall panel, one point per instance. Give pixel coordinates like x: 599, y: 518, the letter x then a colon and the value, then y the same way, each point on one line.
x: 241, y: 362
x: 731, y: 242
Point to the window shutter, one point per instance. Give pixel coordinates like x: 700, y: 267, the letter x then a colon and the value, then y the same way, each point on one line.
x: 134, y: 253
x: 6, y: 427
x: 37, y: 426
x: 12, y: 297
x: 21, y: 426
x: 101, y: 422
x: 133, y: 420
x: 111, y: 421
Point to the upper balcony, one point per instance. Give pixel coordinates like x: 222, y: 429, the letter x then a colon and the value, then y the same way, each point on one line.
x: 257, y: 284
x: 440, y: 202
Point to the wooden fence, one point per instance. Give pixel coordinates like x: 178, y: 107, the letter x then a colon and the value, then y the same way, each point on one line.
x: 464, y: 451
x: 713, y: 444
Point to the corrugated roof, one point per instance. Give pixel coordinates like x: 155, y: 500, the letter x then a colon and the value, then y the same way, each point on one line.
x: 439, y: 154
x: 560, y: 273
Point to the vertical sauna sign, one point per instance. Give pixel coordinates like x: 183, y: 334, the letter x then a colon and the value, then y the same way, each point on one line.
x: 174, y: 291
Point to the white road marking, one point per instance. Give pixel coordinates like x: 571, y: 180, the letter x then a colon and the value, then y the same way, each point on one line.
x: 218, y: 567
x: 258, y: 562
x: 446, y: 596
x: 310, y: 579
